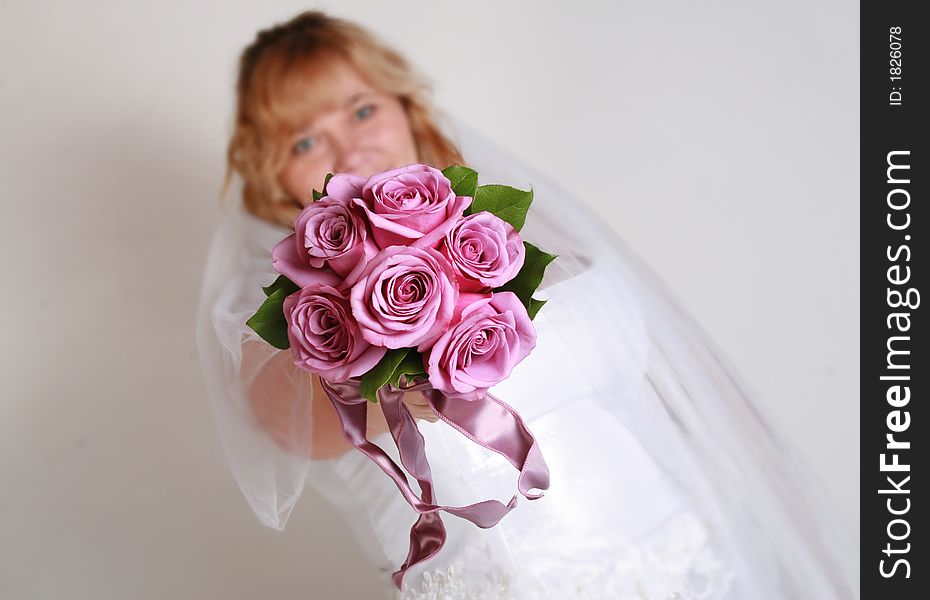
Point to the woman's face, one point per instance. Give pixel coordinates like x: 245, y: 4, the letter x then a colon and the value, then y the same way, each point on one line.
x: 366, y: 132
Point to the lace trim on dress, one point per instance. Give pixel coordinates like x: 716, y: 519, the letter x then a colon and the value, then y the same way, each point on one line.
x: 679, y: 565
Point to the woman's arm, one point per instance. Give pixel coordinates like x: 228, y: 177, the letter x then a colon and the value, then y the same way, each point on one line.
x: 292, y: 407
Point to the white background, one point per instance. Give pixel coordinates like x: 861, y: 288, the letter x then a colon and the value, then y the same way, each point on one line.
x: 719, y: 138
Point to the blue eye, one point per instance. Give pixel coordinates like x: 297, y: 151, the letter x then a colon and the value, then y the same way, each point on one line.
x: 364, y: 112
x: 303, y: 145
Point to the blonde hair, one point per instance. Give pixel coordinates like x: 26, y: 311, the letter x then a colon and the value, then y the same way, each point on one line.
x: 271, y: 100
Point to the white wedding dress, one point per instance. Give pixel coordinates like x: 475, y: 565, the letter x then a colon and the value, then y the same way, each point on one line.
x: 666, y: 481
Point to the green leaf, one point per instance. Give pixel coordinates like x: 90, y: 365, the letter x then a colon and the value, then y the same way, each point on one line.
x: 530, y: 276
x: 464, y: 180
x: 534, y: 307
x: 411, y: 366
x: 269, y: 322
x: 317, y: 195
x: 280, y: 283
x: 508, y: 203
x: 402, y: 361
x: 380, y: 374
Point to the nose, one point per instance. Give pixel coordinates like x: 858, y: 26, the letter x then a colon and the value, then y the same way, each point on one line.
x: 347, y: 156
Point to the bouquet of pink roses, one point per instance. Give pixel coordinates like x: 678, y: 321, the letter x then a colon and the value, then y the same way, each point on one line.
x: 414, y: 279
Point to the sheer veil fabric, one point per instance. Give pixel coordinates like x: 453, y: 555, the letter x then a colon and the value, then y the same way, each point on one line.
x: 667, y: 480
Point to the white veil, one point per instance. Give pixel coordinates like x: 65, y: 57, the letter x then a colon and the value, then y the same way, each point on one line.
x: 627, y: 346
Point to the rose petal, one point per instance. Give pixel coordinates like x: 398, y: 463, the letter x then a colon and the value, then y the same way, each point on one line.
x: 345, y: 186
x: 286, y: 261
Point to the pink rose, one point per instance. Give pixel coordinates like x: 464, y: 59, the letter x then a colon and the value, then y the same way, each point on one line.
x: 406, y: 203
x: 345, y: 186
x: 325, y: 339
x: 484, y: 250
x: 492, y: 334
x: 405, y: 297
x: 329, y: 244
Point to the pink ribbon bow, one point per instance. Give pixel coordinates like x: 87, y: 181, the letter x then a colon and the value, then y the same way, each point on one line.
x: 488, y: 422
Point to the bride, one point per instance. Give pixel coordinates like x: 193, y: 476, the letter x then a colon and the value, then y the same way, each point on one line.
x: 666, y: 481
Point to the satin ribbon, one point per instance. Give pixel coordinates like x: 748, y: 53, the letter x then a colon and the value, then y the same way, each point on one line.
x: 488, y: 422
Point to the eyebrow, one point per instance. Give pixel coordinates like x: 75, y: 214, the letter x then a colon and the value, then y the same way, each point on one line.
x: 355, y: 98
x: 300, y: 130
